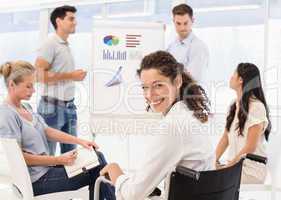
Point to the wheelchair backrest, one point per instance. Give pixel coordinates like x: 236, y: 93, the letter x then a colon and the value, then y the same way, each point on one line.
x: 220, y: 184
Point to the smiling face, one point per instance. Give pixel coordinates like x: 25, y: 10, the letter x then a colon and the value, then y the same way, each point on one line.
x: 158, y: 90
x: 24, y: 89
x: 183, y: 24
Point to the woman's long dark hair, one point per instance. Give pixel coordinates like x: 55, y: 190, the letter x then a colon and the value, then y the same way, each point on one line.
x: 191, y: 93
x: 251, y: 88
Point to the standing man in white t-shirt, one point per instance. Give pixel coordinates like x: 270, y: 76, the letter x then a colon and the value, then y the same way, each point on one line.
x: 56, y: 71
x: 187, y: 48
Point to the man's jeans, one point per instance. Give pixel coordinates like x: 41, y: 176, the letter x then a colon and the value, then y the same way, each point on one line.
x: 60, y: 117
x: 56, y: 180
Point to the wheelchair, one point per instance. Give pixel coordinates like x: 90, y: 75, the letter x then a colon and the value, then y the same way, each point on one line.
x: 188, y: 184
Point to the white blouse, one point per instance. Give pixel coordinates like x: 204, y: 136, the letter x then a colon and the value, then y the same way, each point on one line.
x: 183, y: 140
x: 256, y: 115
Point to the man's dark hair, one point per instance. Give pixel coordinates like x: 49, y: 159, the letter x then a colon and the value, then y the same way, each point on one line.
x: 60, y: 12
x: 182, y: 9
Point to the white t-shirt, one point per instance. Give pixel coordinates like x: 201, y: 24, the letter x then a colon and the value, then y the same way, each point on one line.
x: 257, y: 115
x: 178, y: 140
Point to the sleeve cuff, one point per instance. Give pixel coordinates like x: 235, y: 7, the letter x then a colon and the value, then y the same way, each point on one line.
x: 119, y: 183
x: 258, y: 121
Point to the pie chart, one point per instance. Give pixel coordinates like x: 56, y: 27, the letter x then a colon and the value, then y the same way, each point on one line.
x: 111, y: 40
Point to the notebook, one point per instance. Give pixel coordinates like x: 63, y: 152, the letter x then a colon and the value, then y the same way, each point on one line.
x: 86, y: 159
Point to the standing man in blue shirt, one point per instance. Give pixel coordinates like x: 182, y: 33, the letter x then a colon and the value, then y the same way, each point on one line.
x: 56, y: 71
x: 187, y: 48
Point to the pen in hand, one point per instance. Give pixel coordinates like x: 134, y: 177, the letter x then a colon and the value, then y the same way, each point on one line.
x: 67, y: 158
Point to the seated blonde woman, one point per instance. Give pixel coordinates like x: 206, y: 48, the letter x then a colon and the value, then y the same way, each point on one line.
x: 32, y: 133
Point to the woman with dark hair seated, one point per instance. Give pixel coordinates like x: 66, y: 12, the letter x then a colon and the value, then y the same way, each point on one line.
x: 179, y: 139
x: 247, y: 123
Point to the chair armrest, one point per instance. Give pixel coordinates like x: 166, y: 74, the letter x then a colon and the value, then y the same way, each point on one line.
x: 257, y: 158
x: 188, y: 172
x: 100, y: 180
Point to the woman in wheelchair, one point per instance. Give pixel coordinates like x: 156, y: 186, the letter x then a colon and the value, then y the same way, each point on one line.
x: 180, y: 139
x: 31, y: 132
x: 247, y: 123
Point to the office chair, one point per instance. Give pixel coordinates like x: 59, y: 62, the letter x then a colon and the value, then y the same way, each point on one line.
x: 21, y: 179
x: 274, y: 163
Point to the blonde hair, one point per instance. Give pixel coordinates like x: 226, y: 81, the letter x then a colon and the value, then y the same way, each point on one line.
x: 15, y: 71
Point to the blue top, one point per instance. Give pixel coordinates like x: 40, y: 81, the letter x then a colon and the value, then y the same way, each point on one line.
x: 30, y: 136
x: 193, y: 54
